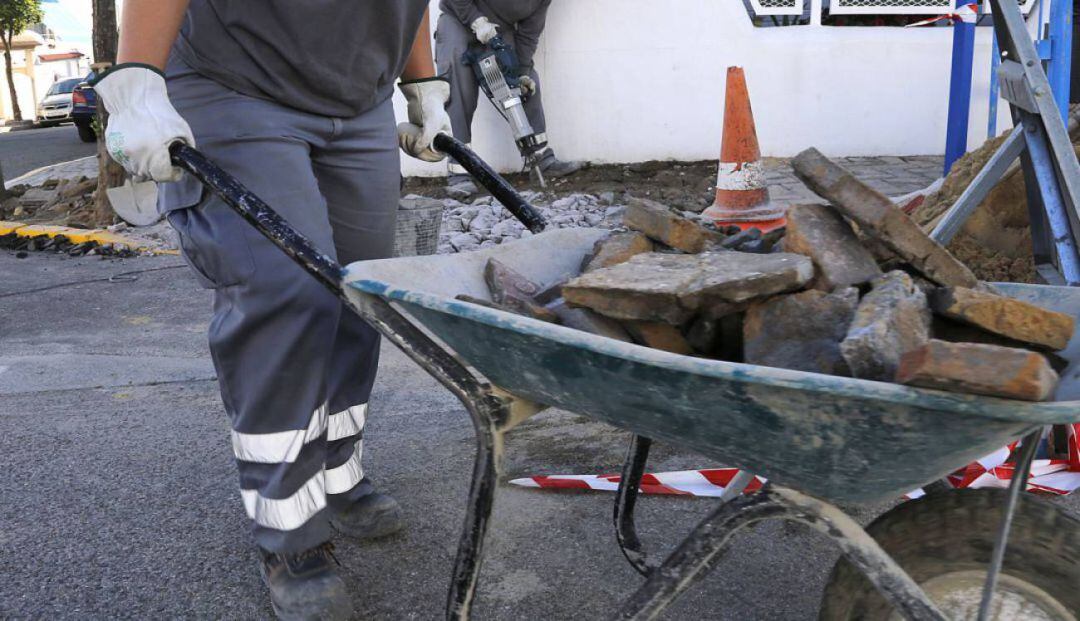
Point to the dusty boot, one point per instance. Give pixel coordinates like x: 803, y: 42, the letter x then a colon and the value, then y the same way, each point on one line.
x: 553, y: 167
x: 306, y: 585
x: 460, y: 187
x: 373, y: 516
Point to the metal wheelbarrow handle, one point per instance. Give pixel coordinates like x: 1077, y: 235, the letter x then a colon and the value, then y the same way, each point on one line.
x: 300, y: 248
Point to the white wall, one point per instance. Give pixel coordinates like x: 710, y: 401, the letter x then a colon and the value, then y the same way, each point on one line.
x: 637, y: 80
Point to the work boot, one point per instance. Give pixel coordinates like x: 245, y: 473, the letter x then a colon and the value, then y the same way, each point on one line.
x: 373, y: 516
x: 306, y: 586
x: 553, y: 167
x: 460, y: 187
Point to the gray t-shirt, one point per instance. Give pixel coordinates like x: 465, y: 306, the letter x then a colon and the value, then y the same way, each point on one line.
x: 335, y: 58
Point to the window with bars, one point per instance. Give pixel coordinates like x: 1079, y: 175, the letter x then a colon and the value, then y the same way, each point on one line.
x: 853, y: 12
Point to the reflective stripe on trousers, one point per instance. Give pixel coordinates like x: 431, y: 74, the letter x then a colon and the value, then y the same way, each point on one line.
x: 294, y: 511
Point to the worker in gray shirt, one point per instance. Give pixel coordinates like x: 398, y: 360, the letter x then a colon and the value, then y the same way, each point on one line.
x: 470, y: 22
x: 294, y: 99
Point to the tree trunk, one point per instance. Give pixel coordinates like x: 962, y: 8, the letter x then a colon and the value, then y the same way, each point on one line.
x: 110, y: 174
x: 3, y: 184
x: 16, y: 112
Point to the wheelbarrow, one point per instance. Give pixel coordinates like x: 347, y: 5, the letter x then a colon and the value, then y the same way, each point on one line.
x: 819, y: 440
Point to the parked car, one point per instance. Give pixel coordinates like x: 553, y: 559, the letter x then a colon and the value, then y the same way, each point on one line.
x: 84, y: 109
x: 55, y: 107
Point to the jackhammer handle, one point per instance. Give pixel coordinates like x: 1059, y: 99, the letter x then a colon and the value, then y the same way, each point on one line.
x: 500, y: 188
x: 260, y: 215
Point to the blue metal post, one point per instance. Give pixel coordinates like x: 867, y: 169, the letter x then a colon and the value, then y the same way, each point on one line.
x: 1052, y: 198
x: 1060, y: 67
x: 995, y: 62
x: 963, y: 56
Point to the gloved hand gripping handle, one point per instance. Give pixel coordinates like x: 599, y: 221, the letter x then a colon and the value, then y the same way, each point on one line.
x: 487, y: 177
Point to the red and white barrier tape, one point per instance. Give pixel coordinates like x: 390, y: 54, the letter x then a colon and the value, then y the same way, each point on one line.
x: 711, y: 482
x: 1051, y: 476
x: 969, y: 13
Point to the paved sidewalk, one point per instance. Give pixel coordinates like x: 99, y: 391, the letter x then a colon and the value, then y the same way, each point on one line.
x: 892, y: 176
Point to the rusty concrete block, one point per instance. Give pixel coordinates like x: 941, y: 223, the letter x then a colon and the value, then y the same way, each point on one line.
x: 979, y: 369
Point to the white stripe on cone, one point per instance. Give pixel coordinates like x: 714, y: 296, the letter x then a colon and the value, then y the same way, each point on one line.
x: 740, y: 176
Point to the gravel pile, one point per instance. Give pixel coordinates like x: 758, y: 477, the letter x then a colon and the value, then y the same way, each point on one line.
x: 484, y: 222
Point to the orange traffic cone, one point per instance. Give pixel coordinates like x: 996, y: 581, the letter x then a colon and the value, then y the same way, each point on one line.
x: 742, y: 198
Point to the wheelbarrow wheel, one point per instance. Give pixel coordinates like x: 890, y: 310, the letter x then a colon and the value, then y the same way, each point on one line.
x: 944, y: 541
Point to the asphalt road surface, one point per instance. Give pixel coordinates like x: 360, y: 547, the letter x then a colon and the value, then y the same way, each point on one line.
x: 118, y: 493
x: 24, y: 150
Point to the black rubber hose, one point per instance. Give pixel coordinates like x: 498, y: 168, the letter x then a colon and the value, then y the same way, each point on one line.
x: 500, y: 188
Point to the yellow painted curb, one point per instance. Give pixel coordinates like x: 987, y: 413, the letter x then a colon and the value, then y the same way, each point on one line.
x: 8, y: 227
x: 77, y: 236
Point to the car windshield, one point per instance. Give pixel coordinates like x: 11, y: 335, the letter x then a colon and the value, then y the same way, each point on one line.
x: 64, y: 86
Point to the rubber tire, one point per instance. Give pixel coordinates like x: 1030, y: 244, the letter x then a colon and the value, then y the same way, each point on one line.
x: 955, y: 531
x: 86, y: 132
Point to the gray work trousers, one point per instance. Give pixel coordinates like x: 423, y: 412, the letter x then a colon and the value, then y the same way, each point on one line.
x: 452, y: 39
x: 294, y: 367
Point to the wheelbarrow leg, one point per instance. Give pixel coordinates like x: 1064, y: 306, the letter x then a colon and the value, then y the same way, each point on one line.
x: 1016, y: 486
x: 637, y: 455
x: 491, y: 413
x: 477, y: 514
x: 700, y: 551
x: 626, y: 499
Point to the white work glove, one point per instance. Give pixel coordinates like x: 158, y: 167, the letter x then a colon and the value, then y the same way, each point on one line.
x: 427, y: 117
x: 528, y: 86
x: 142, y: 122
x: 484, y: 30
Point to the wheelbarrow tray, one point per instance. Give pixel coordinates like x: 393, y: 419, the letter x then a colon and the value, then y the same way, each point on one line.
x: 838, y: 438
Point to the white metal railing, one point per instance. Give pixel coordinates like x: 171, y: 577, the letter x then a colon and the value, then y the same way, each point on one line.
x: 777, y: 7
x: 868, y: 7
x: 890, y: 7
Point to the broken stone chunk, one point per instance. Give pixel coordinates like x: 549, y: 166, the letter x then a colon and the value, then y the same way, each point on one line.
x: 740, y: 238
x: 1005, y: 316
x: 536, y: 312
x: 511, y: 290
x: 877, y: 216
x: 705, y: 335
x: 669, y: 227
x: 617, y: 248
x: 506, y: 283
x: 819, y: 232
x: 84, y: 186
x: 671, y: 288
x: 892, y: 319
x: 645, y: 288
x: 979, y: 369
x: 801, y: 331
x: 659, y: 336
x: 587, y: 321
x: 740, y: 276
x: 38, y: 197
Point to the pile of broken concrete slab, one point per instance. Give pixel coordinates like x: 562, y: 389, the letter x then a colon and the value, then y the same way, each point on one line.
x: 66, y: 202
x: 850, y: 288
